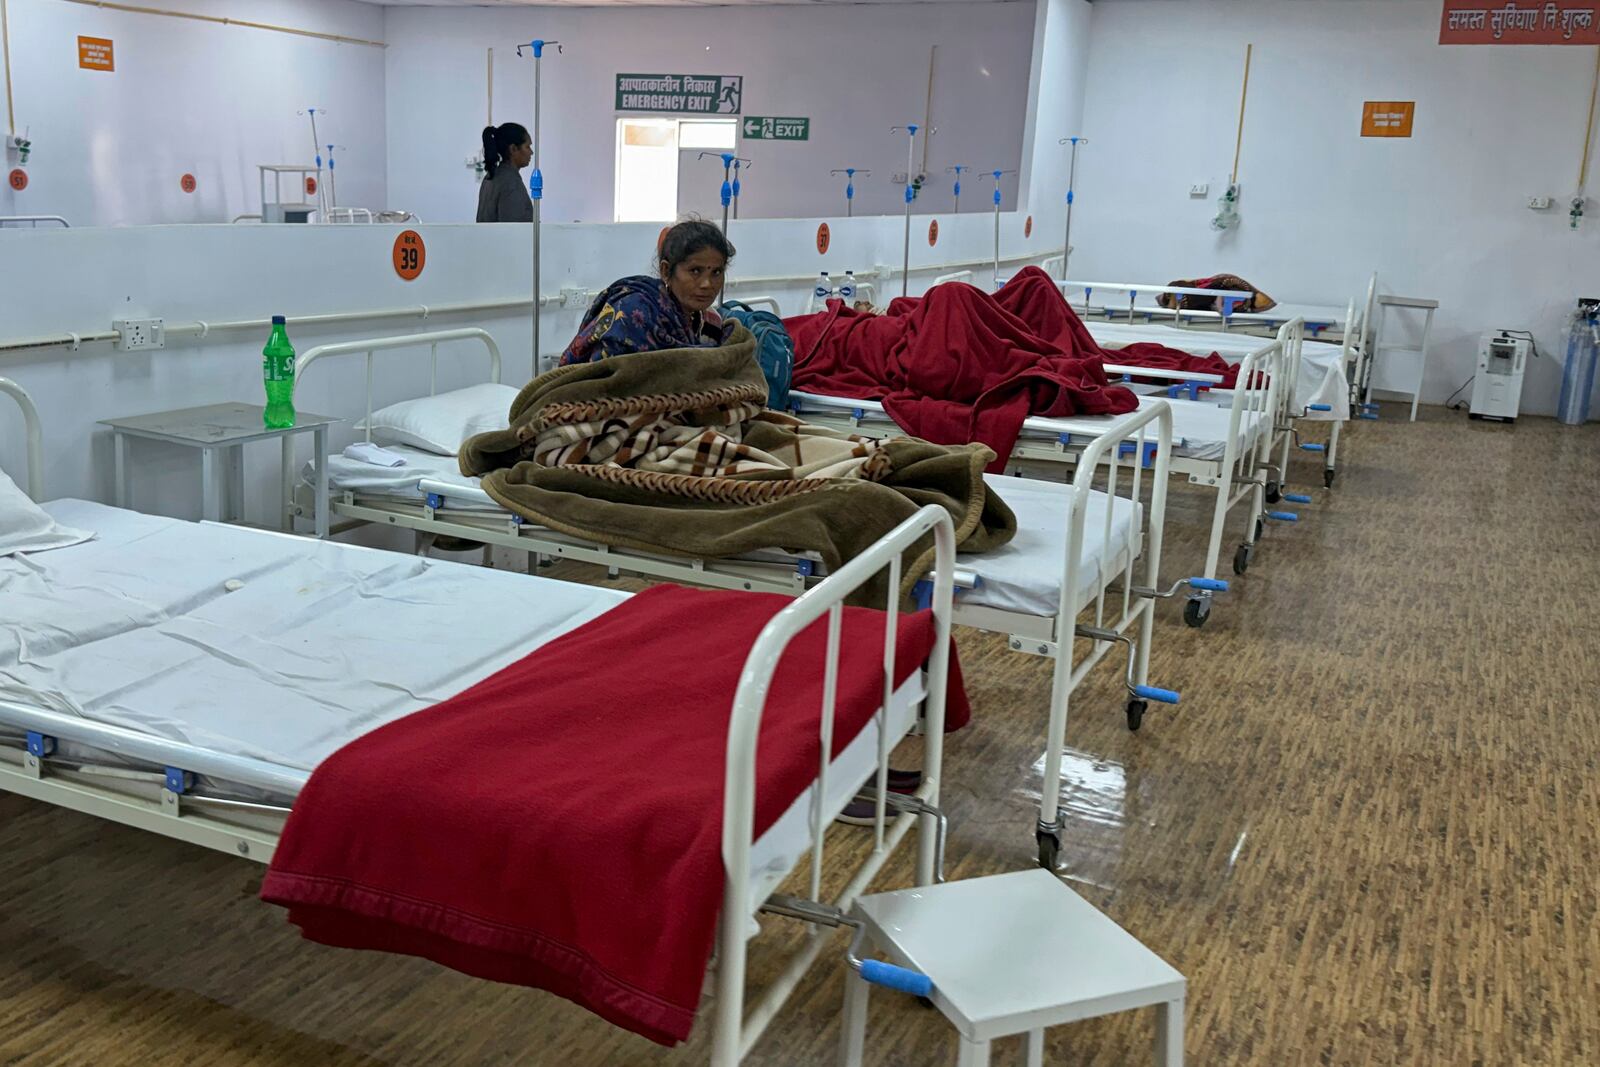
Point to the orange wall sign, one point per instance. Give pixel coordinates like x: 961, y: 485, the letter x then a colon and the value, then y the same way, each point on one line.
x: 187, y: 183
x: 311, y: 186
x: 95, y: 53
x: 823, y: 239
x: 1387, y: 118
x: 1547, y: 22
x: 410, y: 255
x: 1027, y: 227
x: 18, y: 179
x: 933, y: 232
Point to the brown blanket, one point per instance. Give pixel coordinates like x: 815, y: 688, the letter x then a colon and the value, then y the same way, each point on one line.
x: 1258, y: 301
x: 674, y: 452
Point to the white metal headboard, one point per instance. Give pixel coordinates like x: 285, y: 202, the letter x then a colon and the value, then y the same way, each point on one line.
x: 405, y: 340
x: 35, y: 436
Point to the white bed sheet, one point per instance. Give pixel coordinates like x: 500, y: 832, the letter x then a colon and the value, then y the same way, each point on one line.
x: 321, y: 643
x: 1025, y: 575
x: 1011, y: 579
x: 1322, y: 372
x: 1199, y: 427
x: 424, y: 473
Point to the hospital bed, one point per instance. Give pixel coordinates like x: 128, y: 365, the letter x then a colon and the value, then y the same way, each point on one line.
x: 1222, y: 446
x: 115, y: 649
x: 1134, y: 302
x: 1074, y: 553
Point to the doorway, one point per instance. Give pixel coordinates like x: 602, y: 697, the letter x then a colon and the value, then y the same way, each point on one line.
x: 660, y: 172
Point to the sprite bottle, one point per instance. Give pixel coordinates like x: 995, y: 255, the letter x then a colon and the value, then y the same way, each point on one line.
x: 277, y: 373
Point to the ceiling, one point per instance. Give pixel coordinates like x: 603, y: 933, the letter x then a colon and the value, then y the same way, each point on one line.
x: 649, y: 3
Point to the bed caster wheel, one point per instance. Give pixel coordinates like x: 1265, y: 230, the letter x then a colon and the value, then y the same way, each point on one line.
x: 1327, y: 479
x: 1049, y: 849
x: 1241, y: 559
x: 1274, y: 492
x: 1260, y: 528
x: 1196, y: 612
x: 1136, y: 709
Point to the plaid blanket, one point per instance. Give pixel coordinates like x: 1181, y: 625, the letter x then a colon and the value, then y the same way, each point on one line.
x: 1258, y: 301
x: 673, y: 452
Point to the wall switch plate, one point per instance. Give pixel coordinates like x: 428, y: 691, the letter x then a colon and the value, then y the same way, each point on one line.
x: 140, y: 335
x: 1539, y: 203
x: 573, y: 297
x: 1199, y: 189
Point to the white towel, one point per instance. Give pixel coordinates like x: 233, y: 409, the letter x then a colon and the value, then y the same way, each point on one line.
x: 363, y: 452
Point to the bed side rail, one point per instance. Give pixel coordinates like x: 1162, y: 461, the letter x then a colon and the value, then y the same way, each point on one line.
x: 407, y: 340
x: 34, y: 435
x: 733, y: 1033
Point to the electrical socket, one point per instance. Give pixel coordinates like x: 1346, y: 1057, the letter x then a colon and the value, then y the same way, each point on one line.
x: 1539, y: 203
x: 140, y: 335
x: 1199, y: 189
x: 573, y: 297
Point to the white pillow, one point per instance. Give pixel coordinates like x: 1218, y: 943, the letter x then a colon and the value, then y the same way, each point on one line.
x: 26, y: 527
x: 440, y: 423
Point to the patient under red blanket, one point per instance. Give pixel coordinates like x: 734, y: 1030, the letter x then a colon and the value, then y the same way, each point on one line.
x: 961, y: 365
x: 559, y: 825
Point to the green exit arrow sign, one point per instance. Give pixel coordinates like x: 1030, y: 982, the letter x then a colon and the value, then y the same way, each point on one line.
x: 771, y: 128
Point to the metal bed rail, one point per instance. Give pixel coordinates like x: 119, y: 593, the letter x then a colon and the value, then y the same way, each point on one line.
x: 734, y: 1033
x: 34, y: 436
x: 33, y: 221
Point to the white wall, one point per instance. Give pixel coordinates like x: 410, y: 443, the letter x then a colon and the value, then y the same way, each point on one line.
x: 57, y: 281
x: 854, y: 70
x: 1055, y: 109
x: 190, y: 97
x: 1442, y: 214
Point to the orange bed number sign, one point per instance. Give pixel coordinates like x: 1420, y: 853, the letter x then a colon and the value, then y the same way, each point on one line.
x: 933, y: 232
x: 311, y: 187
x: 410, y: 255
x: 1027, y: 227
x: 187, y: 183
x: 18, y: 179
x: 823, y: 239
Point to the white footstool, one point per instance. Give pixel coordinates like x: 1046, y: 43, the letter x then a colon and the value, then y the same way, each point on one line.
x: 1013, y: 954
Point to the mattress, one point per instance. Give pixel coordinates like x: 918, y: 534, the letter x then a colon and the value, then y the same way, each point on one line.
x: 318, y: 644
x: 1025, y: 575
x: 1199, y: 427
x: 1322, y: 372
x: 425, y: 475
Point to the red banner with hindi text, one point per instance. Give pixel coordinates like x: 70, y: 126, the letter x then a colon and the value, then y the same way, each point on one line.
x: 1550, y: 22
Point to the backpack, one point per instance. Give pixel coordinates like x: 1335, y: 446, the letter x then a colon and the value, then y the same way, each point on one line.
x: 774, y: 349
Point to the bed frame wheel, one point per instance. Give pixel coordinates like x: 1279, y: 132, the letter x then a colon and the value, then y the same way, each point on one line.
x: 1136, y: 709
x: 1241, y: 559
x: 1049, y: 849
x: 1196, y: 612
x: 1327, y: 478
x: 1274, y: 492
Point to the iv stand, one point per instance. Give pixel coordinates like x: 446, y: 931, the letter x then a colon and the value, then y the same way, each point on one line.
x: 536, y: 185
x: 996, y: 174
x: 911, y: 165
x: 1072, y: 176
x: 850, y: 187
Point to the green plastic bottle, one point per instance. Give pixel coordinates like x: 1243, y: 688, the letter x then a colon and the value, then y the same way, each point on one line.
x: 277, y: 373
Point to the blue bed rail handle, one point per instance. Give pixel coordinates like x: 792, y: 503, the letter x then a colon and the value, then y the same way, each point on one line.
x: 1156, y: 693
x: 1283, y: 516
x: 1215, y: 585
x: 1313, y: 446
x: 906, y: 981
x: 1297, y: 498
x: 40, y: 745
x: 1319, y: 407
x: 1370, y: 416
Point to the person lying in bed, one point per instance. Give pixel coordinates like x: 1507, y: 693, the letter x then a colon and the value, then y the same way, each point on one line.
x: 647, y: 314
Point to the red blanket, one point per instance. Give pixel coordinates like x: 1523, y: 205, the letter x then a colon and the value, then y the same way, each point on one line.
x: 559, y: 824
x: 960, y: 365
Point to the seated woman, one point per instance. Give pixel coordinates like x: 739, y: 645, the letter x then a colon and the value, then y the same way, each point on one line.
x: 646, y: 314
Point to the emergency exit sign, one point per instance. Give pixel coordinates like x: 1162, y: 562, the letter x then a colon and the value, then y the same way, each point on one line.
x: 759, y: 128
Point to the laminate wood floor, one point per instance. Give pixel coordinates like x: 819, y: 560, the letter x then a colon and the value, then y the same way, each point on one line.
x: 1369, y: 835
